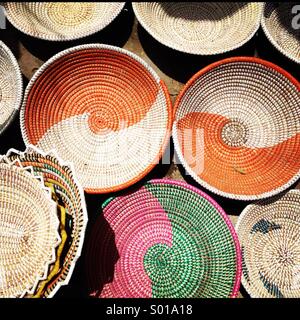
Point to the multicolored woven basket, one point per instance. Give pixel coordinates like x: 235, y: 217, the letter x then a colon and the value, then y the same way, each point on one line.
x: 69, y: 197
x: 277, y: 23
x: 11, y: 87
x: 102, y: 108
x: 167, y: 239
x: 236, y: 128
x: 59, y: 21
x: 28, y: 231
x: 203, y: 28
x: 269, y: 236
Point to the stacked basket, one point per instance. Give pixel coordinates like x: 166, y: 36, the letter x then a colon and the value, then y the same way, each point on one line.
x: 69, y: 214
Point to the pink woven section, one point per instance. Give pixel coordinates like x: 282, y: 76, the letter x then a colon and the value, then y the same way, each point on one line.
x: 132, y: 246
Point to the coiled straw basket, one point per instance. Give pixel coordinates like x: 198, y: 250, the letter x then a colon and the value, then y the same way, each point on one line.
x: 102, y: 108
x: 28, y: 231
x: 281, y: 27
x: 203, y: 28
x: 269, y: 236
x: 69, y: 197
x: 165, y: 240
x: 61, y: 21
x: 237, y: 128
x: 11, y: 88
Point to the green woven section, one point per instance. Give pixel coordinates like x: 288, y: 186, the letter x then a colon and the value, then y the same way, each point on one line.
x: 202, y: 259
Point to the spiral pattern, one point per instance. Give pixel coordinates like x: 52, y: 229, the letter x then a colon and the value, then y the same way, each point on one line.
x: 69, y: 194
x: 246, y: 111
x: 269, y: 236
x: 200, y: 28
x: 167, y: 239
x: 59, y: 21
x: 102, y: 108
x: 10, y: 86
x: 277, y: 23
x: 28, y: 231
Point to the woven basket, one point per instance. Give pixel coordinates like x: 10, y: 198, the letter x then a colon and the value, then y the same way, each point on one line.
x: 269, y: 234
x: 62, y: 20
x: 172, y: 241
x: 277, y: 23
x: 11, y: 88
x: 204, y: 28
x: 67, y: 193
x: 28, y: 231
x: 103, y: 109
x: 236, y: 129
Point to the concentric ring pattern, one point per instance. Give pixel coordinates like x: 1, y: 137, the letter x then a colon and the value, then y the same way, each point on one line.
x: 11, y: 87
x: 269, y: 236
x: 167, y: 239
x: 280, y: 23
x: 68, y: 195
x: 236, y: 128
x: 60, y: 21
x: 203, y: 28
x: 102, y: 108
x: 28, y: 231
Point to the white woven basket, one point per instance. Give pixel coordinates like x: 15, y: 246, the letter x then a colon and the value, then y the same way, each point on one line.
x: 11, y: 88
x: 269, y: 235
x: 277, y: 23
x: 203, y: 28
x: 60, y: 21
x: 28, y: 230
x: 60, y: 175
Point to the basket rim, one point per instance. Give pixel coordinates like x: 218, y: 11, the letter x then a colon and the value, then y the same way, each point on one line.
x: 239, y: 222
x: 19, y: 84
x: 79, y: 36
x: 176, y: 140
x: 271, y: 38
x: 185, y: 185
x: 153, y: 73
x: 180, y: 49
x: 83, y: 202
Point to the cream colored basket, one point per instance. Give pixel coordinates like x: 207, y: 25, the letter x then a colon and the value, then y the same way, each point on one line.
x: 278, y: 24
x: 11, y: 88
x: 269, y: 235
x: 203, y: 28
x: 61, y: 20
x: 69, y: 196
x: 28, y: 231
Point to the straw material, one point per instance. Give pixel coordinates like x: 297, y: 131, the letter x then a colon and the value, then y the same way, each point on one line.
x: 28, y: 231
x: 62, y: 20
x: 69, y: 197
x: 167, y: 239
x: 204, y: 28
x: 11, y: 88
x: 277, y: 23
x: 102, y: 108
x: 236, y: 128
x: 269, y: 236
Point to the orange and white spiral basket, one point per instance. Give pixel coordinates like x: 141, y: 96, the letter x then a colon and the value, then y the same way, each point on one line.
x: 102, y: 108
x: 237, y: 128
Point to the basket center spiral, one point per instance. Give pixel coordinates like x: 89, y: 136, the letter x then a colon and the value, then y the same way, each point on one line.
x: 70, y: 14
x: 234, y: 133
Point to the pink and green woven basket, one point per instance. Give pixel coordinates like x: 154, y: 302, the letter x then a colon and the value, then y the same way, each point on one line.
x: 171, y: 241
